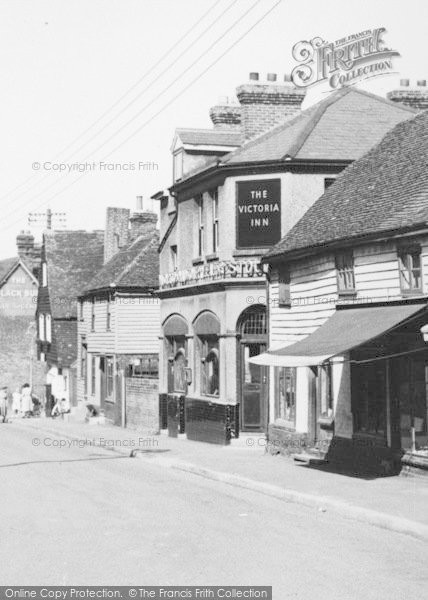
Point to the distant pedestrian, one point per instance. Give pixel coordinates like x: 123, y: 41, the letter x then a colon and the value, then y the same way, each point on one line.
x: 16, y: 402
x: 26, y: 401
x: 3, y: 404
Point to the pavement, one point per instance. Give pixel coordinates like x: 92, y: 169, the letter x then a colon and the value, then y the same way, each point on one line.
x: 82, y: 515
x: 394, y: 503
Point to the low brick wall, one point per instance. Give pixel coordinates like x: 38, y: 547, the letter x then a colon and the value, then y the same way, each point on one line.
x: 142, y: 403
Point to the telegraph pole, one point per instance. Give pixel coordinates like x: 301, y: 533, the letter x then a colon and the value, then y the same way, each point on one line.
x: 48, y: 218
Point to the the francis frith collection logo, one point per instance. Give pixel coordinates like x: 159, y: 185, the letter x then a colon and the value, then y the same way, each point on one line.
x: 343, y: 62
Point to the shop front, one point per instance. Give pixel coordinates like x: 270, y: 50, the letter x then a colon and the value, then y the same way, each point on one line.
x: 356, y: 389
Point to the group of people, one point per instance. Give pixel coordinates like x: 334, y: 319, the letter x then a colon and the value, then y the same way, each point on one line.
x: 23, y: 402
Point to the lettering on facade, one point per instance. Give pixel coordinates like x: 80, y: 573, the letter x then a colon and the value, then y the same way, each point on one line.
x: 242, y: 269
x: 258, y: 213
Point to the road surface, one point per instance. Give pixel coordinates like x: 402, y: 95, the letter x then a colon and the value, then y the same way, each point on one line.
x: 89, y: 516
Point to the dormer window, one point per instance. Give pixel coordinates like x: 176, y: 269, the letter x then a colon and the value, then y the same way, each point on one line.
x: 345, y: 272
x: 409, y: 260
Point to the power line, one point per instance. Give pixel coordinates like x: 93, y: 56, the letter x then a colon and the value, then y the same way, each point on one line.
x: 200, y: 57
x: 165, y: 105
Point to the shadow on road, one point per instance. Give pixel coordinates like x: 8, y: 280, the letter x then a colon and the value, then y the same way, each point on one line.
x: 41, y: 462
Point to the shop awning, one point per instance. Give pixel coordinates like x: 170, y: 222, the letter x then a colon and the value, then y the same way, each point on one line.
x: 345, y: 329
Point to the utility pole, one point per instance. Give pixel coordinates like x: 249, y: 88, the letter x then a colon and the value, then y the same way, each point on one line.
x: 48, y: 218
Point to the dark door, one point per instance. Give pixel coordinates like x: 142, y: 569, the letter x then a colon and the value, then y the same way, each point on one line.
x: 253, y: 389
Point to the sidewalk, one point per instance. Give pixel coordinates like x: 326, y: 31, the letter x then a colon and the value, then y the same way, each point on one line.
x: 395, y: 503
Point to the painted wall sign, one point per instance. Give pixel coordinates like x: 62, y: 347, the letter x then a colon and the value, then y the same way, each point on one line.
x: 258, y: 213
x: 241, y: 269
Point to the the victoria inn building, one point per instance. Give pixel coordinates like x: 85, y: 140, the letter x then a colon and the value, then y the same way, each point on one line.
x: 238, y: 189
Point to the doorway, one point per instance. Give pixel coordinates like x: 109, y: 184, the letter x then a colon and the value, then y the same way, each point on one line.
x: 253, y: 379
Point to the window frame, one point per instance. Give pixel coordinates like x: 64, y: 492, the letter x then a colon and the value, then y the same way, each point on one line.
x: 215, y: 220
x: 93, y: 375
x: 282, y: 373
x: 42, y: 327
x: 209, y: 348
x: 48, y: 328
x: 345, y: 273
x: 174, y: 257
x: 108, y: 314
x: 410, y: 252
x: 93, y: 313
x: 109, y: 366
x: 151, y: 371
x: 201, y: 225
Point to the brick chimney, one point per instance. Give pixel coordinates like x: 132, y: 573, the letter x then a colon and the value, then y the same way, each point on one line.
x: 116, y: 233
x: 415, y: 97
x: 226, y: 115
x: 25, y: 244
x: 143, y: 222
x: 264, y: 105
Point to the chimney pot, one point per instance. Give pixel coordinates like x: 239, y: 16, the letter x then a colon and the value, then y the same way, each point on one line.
x: 271, y: 76
x: 404, y: 82
x: 139, y: 204
x: 254, y: 76
x: 422, y: 82
x: 287, y: 78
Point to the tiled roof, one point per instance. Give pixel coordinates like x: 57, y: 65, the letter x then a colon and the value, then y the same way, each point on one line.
x: 65, y: 340
x: 210, y: 137
x: 72, y: 258
x: 342, y: 127
x: 136, y: 265
x: 385, y: 190
x: 6, y: 265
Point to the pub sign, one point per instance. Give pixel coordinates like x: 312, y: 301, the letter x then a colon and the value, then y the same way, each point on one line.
x: 258, y: 213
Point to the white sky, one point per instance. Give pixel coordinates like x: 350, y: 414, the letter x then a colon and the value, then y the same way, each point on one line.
x: 63, y: 63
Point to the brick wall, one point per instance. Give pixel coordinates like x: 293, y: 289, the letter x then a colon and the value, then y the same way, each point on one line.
x: 142, y: 403
x: 17, y: 340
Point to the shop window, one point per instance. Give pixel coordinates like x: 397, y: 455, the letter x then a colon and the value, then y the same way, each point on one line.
x: 369, y: 398
x: 284, y: 292
x: 409, y: 260
x: 109, y: 376
x: 93, y: 374
x: 179, y: 371
x: 285, y: 406
x: 145, y: 367
x: 210, y: 372
x: 345, y: 272
x: 325, y: 391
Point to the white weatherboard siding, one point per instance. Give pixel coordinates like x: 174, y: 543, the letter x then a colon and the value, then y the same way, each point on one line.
x: 100, y: 339
x: 138, y: 325
x: 313, y: 298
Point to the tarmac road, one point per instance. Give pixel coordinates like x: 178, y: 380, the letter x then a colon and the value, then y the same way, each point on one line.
x: 89, y: 516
